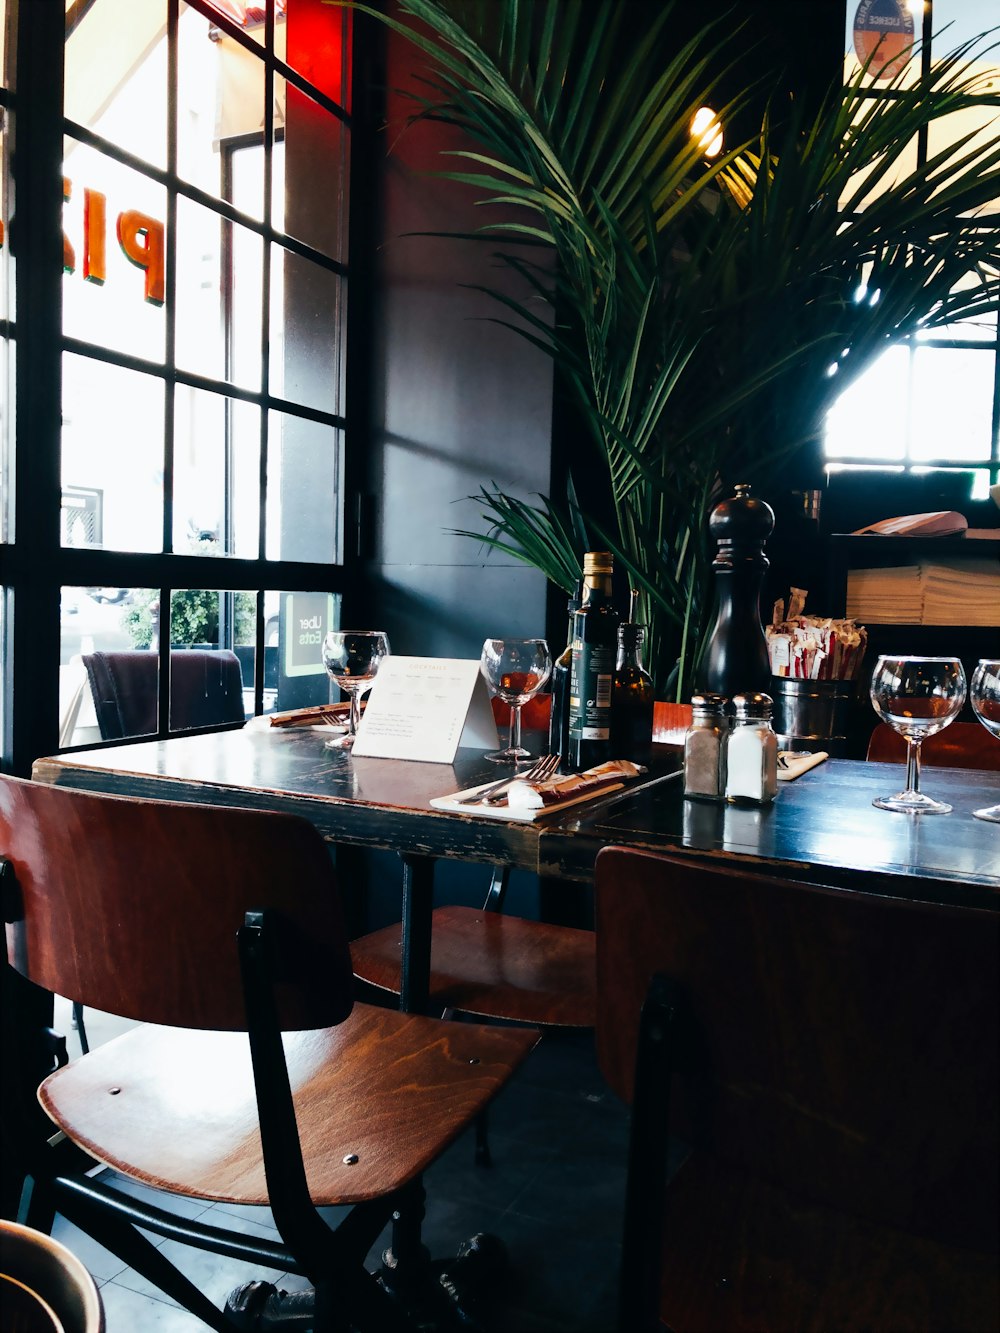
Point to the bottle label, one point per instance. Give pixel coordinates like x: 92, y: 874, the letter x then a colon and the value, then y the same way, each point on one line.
x: 592, y: 673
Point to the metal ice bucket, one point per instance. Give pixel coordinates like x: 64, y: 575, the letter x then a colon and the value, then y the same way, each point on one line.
x: 812, y: 714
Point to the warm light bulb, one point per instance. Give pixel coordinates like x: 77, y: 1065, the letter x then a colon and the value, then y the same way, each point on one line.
x: 707, y: 130
x: 916, y: 8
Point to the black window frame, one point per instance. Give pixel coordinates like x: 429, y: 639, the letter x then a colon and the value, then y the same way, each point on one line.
x: 34, y: 565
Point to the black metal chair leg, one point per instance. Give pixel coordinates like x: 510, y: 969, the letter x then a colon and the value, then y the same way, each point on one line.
x: 483, y: 1155
x: 132, y: 1247
x: 81, y: 1028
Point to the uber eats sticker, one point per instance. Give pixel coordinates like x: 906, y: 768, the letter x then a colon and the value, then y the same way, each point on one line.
x: 306, y: 617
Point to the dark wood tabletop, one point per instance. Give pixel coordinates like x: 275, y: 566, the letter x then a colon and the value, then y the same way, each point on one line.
x: 822, y: 826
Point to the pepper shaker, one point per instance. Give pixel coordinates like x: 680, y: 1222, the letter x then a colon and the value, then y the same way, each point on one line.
x: 704, y: 748
x: 751, y: 751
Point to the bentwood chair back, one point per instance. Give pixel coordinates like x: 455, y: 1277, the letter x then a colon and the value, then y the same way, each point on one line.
x: 489, y: 963
x: 218, y: 924
x: 500, y: 966
x: 830, y: 1060
x: 960, y: 745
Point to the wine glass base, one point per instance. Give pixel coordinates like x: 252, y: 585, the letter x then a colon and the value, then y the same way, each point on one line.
x: 340, y: 742
x: 991, y: 814
x: 912, y: 803
x: 508, y: 756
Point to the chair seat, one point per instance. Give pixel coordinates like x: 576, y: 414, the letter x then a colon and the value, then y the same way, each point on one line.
x: 757, y: 1258
x: 175, y: 1109
x: 494, y: 966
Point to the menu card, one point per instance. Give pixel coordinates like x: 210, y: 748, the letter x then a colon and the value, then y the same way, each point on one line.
x: 426, y: 708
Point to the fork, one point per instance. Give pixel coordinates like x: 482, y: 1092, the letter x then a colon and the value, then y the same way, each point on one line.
x: 541, y: 768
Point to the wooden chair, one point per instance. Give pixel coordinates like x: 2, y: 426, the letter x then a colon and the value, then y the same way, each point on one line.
x: 960, y: 745
x: 492, y: 965
x: 831, y: 1061
x: 212, y: 924
x: 497, y: 966
x: 206, y: 689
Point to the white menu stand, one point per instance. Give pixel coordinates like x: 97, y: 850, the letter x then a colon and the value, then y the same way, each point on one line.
x: 426, y: 708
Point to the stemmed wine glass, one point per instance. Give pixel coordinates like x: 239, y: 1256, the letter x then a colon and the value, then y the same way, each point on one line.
x: 352, y: 658
x: 985, y: 695
x: 917, y: 696
x: 514, y: 669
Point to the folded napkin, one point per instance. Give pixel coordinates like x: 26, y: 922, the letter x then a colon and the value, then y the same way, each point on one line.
x: 793, y: 763
x: 554, y: 791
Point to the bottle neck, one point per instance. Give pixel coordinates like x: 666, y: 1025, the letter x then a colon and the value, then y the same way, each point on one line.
x: 596, y: 590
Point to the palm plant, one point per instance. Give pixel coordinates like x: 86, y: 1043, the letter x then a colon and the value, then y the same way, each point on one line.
x: 696, y: 308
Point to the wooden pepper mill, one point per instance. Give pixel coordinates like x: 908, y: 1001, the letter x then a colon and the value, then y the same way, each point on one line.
x: 735, y: 659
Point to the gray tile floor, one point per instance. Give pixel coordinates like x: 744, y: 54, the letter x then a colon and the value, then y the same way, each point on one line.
x: 554, y: 1195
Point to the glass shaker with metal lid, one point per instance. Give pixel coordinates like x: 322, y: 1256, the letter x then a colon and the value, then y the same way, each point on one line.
x: 751, y: 751
x: 704, y: 747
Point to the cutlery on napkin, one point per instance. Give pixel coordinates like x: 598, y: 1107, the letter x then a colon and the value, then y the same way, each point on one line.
x: 793, y: 763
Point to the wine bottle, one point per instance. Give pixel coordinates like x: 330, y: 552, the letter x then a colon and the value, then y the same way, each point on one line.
x: 592, y: 666
x: 631, y: 699
x: 559, y: 718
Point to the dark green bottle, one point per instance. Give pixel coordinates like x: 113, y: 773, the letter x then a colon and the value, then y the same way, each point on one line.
x: 559, y: 718
x: 592, y: 668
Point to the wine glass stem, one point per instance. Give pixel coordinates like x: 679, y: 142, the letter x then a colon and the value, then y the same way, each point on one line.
x: 515, y: 727
x: 355, y: 712
x: 912, y: 764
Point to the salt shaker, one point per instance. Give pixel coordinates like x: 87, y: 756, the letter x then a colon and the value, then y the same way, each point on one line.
x: 751, y: 751
x: 704, y: 748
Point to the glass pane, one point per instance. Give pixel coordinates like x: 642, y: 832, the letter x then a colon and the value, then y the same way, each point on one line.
x: 112, y: 457
x: 982, y: 329
x: 957, y: 21
x: 114, y: 222
x: 220, y: 94
x: 316, y: 152
x: 952, y: 403
x: 203, y: 298
x: 868, y: 420
x: 304, y: 468
x: 318, y: 46
x: 307, y: 311
x: 116, y: 74
x: 103, y: 620
x: 246, y: 180
x: 216, y: 474
x: 221, y: 84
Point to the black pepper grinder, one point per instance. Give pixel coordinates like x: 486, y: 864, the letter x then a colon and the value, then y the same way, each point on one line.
x: 735, y: 659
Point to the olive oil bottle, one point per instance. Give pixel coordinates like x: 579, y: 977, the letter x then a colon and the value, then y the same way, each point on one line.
x: 592, y: 666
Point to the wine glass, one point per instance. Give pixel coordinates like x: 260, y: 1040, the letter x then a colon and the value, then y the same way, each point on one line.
x: 917, y: 696
x: 352, y: 658
x: 985, y: 695
x: 514, y: 669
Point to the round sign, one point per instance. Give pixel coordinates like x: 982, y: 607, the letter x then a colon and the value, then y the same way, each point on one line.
x: 883, y: 34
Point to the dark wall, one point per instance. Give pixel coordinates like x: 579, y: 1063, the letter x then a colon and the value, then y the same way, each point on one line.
x: 457, y: 402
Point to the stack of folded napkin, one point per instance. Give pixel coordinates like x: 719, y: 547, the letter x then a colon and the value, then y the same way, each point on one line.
x: 524, y: 795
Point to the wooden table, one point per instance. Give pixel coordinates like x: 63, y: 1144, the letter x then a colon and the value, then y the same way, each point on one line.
x: 822, y: 827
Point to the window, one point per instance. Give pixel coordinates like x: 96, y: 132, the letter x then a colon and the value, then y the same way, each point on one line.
x: 193, y: 341
x: 931, y: 403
